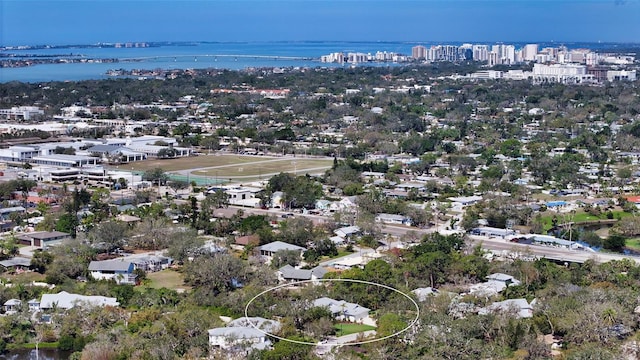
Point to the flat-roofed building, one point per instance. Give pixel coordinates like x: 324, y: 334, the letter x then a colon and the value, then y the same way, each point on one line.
x: 65, y: 160
x: 21, y: 112
x: 43, y: 239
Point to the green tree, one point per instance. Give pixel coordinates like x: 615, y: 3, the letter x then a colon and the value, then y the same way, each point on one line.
x: 390, y: 323
x: 215, y: 274
x: 157, y: 176
x: 289, y: 350
x: 285, y: 257
x: 614, y: 242
x: 40, y: 261
x: 109, y: 235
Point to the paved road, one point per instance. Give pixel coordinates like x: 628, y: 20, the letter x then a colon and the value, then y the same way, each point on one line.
x: 488, y: 243
x: 561, y: 254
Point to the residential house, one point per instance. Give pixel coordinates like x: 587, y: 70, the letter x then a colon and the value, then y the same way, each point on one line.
x: 466, y: 200
x: 129, y: 219
x: 34, y: 304
x: 5, y: 213
x: 238, y: 339
x: 424, y: 293
x: 520, y: 308
x: 117, y: 270
x: 507, y: 279
x: 43, y: 239
x: 267, y: 251
x: 355, y: 261
x: 248, y: 240
x: 243, y: 334
x: 393, y: 219
x: 65, y: 300
x: 288, y: 273
x: 347, y: 204
x: 496, y: 283
x: 347, y: 232
x: 369, y: 176
x: 266, y: 325
x: 151, y: 263
x: 342, y: 310
x: 12, y: 306
x: 337, y: 240
x: 243, y: 196
x: 16, y: 263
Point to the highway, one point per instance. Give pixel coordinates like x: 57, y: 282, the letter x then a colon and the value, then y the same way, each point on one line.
x: 495, y: 245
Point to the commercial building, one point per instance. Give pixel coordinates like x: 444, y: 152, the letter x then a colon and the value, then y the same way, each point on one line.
x: 419, y: 52
x: 561, y: 73
x: 21, y: 112
x: 618, y: 75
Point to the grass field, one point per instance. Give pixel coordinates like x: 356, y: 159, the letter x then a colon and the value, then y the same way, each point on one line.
x: 168, y: 278
x: 580, y: 216
x: 350, y: 328
x: 299, y: 166
x: 207, y: 169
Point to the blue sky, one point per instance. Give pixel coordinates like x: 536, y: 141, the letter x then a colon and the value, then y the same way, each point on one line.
x: 91, y: 21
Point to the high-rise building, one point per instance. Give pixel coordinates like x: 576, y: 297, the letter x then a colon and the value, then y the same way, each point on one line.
x: 492, y: 58
x: 508, y: 54
x: 480, y: 52
x: 529, y: 52
x: 419, y: 52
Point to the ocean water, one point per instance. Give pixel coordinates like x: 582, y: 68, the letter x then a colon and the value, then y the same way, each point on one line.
x: 222, y: 55
x: 233, y: 56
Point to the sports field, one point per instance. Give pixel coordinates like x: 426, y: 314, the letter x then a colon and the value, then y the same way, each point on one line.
x: 274, y: 166
x: 212, y: 169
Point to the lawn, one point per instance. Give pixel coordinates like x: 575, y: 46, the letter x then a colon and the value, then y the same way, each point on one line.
x: 168, y: 278
x: 633, y: 244
x: 341, y: 253
x: 25, y: 277
x: 351, y: 328
x: 579, y: 217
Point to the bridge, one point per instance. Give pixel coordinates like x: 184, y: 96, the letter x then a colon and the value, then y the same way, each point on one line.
x: 215, y: 56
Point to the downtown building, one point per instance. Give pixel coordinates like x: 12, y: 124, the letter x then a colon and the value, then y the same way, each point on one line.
x: 419, y: 52
x: 561, y: 73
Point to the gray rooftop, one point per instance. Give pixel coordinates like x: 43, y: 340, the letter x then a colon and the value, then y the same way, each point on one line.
x: 266, y: 325
x: 237, y: 332
x: 12, y: 209
x: 340, y: 306
x: 16, y: 261
x: 279, y: 245
x: 110, y: 265
x: 289, y: 272
x: 44, y: 235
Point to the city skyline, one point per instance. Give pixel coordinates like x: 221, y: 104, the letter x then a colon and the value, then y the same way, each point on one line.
x: 30, y: 22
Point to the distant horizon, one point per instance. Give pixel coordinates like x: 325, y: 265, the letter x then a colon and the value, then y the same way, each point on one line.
x: 59, y: 22
x: 409, y: 42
